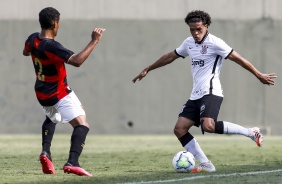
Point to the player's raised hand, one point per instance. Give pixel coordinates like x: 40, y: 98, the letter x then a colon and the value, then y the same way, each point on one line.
x: 267, y: 78
x: 141, y: 75
x: 97, y: 34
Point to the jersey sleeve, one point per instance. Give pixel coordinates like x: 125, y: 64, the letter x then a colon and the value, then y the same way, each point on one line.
x: 28, y: 41
x: 64, y: 53
x: 182, y: 50
x: 58, y: 53
x: 27, y: 45
x: 222, y: 49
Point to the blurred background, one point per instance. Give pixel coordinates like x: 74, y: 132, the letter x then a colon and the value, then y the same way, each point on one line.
x: 137, y: 34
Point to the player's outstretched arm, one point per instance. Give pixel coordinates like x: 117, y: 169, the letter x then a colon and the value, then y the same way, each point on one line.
x: 78, y: 59
x: 164, y: 60
x: 264, y: 78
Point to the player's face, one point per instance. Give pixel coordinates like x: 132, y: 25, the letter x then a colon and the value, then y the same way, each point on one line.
x: 198, y: 30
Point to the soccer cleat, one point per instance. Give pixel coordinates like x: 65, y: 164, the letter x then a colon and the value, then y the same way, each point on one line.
x: 256, y: 136
x: 204, y: 167
x: 69, y: 168
x: 46, y: 163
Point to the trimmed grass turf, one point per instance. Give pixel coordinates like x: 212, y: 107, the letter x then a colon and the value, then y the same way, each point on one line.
x: 136, y: 158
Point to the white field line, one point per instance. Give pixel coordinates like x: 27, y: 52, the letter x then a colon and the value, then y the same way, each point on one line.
x: 206, y: 176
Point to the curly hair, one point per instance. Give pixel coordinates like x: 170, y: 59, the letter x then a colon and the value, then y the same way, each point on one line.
x: 198, y: 16
x: 47, y: 16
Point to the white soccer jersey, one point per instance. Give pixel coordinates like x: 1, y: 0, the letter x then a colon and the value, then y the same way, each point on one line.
x: 206, y: 61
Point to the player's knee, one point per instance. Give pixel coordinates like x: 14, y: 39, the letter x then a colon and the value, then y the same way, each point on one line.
x: 176, y: 130
x: 86, y: 124
x: 79, y: 123
x: 179, y: 131
x: 208, y: 126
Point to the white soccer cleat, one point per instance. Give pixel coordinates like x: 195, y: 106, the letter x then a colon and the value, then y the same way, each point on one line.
x: 204, y: 167
x: 256, y: 136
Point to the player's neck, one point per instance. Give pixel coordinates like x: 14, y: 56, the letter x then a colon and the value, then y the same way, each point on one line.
x: 47, y: 33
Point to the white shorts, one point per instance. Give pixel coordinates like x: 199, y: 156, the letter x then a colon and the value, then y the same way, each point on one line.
x: 65, y: 110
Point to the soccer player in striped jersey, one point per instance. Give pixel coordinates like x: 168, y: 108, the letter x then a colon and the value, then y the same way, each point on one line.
x: 58, y: 100
x: 206, y: 53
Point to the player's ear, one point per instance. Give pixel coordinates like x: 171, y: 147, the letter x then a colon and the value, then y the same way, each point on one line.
x: 55, y: 24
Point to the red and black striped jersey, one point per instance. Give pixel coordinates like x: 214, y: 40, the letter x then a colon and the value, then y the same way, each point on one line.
x: 49, y: 58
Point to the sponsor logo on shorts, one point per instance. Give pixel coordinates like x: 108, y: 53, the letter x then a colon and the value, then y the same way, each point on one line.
x: 202, y: 109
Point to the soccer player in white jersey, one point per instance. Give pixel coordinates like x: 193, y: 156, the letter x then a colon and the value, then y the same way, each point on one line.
x: 206, y: 53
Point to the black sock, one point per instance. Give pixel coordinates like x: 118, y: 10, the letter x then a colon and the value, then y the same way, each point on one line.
x: 77, y: 142
x: 185, y: 139
x: 219, y: 127
x: 48, y: 129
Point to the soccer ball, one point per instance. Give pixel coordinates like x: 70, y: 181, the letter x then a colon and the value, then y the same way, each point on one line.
x: 183, y: 162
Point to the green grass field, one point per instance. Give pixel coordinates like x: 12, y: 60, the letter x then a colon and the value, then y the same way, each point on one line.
x: 140, y: 159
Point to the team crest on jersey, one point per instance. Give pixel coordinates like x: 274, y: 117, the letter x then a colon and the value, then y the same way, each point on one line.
x: 204, y: 49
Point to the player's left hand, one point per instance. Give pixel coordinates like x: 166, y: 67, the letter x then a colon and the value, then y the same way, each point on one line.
x: 267, y: 78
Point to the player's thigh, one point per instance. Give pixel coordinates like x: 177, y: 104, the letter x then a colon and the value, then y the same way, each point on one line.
x: 80, y: 120
x: 184, y: 123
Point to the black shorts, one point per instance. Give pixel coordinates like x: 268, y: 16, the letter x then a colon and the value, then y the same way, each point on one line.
x: 207, y: 106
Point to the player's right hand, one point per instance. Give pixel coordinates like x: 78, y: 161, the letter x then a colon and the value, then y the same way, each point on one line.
x: 141, y: 75
x: 97, y: 34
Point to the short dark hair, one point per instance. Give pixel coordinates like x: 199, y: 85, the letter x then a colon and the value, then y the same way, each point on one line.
x: 47, y: 16
x: 198, y: 16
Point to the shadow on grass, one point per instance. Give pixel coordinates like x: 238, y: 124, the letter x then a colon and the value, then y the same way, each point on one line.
x: 232, y: 174
x: 127, y: 177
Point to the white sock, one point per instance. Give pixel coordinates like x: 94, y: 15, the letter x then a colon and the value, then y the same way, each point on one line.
x: 194, y: 148
x: 231, y: 128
